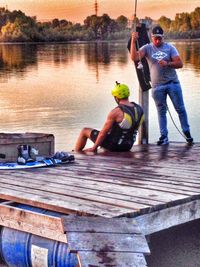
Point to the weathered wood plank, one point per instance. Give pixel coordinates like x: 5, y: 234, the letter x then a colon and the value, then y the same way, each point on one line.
x: 143, y: 192
x: 164, y: 172
x: 70, y: 185
x: 119, y: 171
x: 166, y: 218
x: 149, y: 170
x: 111, y: 184
x: 149, y: 154
x: 82, y: 224
x: 133, y: 180
x: 86, y: 187
x: 115, y: 203
x: 138, y: 182
x: 144, y: 169
x: 54, y: 202
x: 111, y: 259
x: 66, y: 191
x: 32, y: 222
x: 107, y: 242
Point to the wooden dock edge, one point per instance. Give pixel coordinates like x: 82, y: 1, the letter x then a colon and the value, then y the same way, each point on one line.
x: 102, y: 242
x: 89, y: 237
x: 31, y: 222
x: 169, y: 217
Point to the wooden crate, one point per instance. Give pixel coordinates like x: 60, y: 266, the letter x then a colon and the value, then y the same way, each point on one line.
x: 9, y: 143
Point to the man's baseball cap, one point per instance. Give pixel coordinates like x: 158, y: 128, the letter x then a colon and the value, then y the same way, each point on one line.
x: 157, y: 31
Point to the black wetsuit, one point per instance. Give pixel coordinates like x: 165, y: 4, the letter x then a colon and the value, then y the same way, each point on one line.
x: 122, y: 139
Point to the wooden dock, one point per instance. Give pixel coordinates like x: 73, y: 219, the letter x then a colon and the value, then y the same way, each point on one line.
x: 157, y: 187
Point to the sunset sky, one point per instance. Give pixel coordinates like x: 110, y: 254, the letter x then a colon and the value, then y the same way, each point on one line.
x: 78, y: 10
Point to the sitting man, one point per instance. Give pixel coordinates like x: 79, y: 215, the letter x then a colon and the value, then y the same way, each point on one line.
x: 120, y: 129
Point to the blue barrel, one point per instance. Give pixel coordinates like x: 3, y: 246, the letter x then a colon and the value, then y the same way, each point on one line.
x: 20, y: 249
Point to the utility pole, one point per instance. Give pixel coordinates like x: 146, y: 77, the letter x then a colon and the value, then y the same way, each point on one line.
x: 96, y: 8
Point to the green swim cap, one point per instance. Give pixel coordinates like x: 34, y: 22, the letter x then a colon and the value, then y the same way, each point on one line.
x: 120, y: 91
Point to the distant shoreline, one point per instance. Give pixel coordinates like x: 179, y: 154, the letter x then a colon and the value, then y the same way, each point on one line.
x: 16, y: 27
x: 94, y: 41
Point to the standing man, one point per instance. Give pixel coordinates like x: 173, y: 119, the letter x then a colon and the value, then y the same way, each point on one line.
x: 163, y: 58
x: 120, y: 129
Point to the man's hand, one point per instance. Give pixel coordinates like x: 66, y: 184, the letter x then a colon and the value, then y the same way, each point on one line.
x: 91, y: 149
x: 134, y: 36
x: 135, y: 55
x: 163, y: 63
x: 175, y: 63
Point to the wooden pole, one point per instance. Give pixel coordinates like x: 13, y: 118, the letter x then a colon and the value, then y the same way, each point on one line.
x: 143, y: 133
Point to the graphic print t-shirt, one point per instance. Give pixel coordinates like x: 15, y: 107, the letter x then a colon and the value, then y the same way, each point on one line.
x: 160, y: 75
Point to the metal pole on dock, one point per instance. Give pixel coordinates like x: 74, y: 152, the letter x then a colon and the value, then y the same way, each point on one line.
x: 143, y: 137
x: 143, y: 134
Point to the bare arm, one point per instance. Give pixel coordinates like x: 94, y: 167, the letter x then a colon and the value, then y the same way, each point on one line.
x: 135, y: 55
x: 175, y: 63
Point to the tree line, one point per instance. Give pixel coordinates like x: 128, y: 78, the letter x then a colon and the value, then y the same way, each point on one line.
x: 185, y: 25
x: 15, y: 26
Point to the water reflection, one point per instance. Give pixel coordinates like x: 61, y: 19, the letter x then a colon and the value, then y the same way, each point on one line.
x: 16, y: 58
x: 60, y: 88
x: 190, y: 54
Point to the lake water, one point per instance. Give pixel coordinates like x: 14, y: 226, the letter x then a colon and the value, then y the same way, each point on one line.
x: 61, y: 88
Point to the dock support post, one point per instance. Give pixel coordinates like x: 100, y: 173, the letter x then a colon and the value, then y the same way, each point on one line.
x: 143, y: 137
